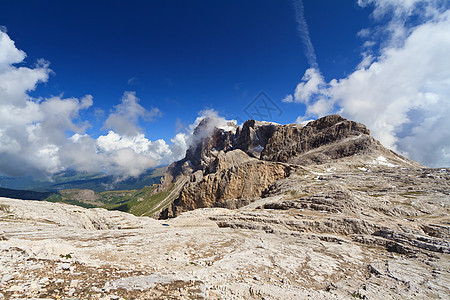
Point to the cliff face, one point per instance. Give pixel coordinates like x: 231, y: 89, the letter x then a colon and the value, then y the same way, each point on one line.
x: 290, y: 141
x: 226, y: 168
x: 245, y: 181
x: 231, y: 179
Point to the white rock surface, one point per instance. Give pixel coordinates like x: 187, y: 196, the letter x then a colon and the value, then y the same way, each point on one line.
x: 336, y: 235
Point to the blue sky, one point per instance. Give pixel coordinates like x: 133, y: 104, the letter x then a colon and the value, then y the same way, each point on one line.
x: 150, y: 68
x: 182, y: 56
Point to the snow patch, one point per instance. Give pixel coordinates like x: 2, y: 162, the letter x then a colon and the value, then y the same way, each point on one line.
x: 381, y: 160
x: 263, y: 123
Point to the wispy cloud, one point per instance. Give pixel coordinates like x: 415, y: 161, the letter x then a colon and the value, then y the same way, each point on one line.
x: 303, y: 31
x: 133, y: 80
x: 307, y: 91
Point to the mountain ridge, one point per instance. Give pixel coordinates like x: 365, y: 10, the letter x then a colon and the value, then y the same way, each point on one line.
x: 260, y: 148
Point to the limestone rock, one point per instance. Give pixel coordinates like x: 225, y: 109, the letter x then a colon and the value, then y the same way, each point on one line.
x: 242, y: 181
x: 437, y: 230
x: 329, y: 231
x: 71, y: 215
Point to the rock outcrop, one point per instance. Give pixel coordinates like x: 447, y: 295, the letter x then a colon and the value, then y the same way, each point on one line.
x: 245, y: 181
x: 291, y: 141
x: 207, y: 140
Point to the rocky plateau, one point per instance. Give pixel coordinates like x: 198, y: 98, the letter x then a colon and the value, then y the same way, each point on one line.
x: 261, y: 211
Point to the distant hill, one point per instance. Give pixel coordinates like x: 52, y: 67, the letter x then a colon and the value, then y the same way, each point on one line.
x: 71, y: 179
x: 23, y: 194
x: 140, y: 202
x: 134, y: 195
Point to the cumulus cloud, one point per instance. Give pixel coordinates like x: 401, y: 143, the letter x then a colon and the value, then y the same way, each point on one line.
x: 125, y: 116
x: 179, y: 146
x: 43, y: 136
x: 31, y: 130
x: 401, y: 91
x: 309, y: 86
x: 124, y: 152
x: 131, y: 154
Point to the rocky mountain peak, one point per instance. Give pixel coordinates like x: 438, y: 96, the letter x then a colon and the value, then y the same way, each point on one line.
x: 226, y: 165
x: 208, y: 137
x: 273, y: 142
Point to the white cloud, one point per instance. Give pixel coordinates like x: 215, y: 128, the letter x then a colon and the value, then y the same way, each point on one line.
x: 309, y: 86
x: 125, y: 116
x: 122, y: 156
x: 310, y: 91
x: 129, y: 156
x: 9, y: 54
x: 367, y: 60
x: 399, y: 8
x: 403, y: 93
x: 364, y: 33
x: 33, y: 132
x: 288, y: 99
x: 179, y: 146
